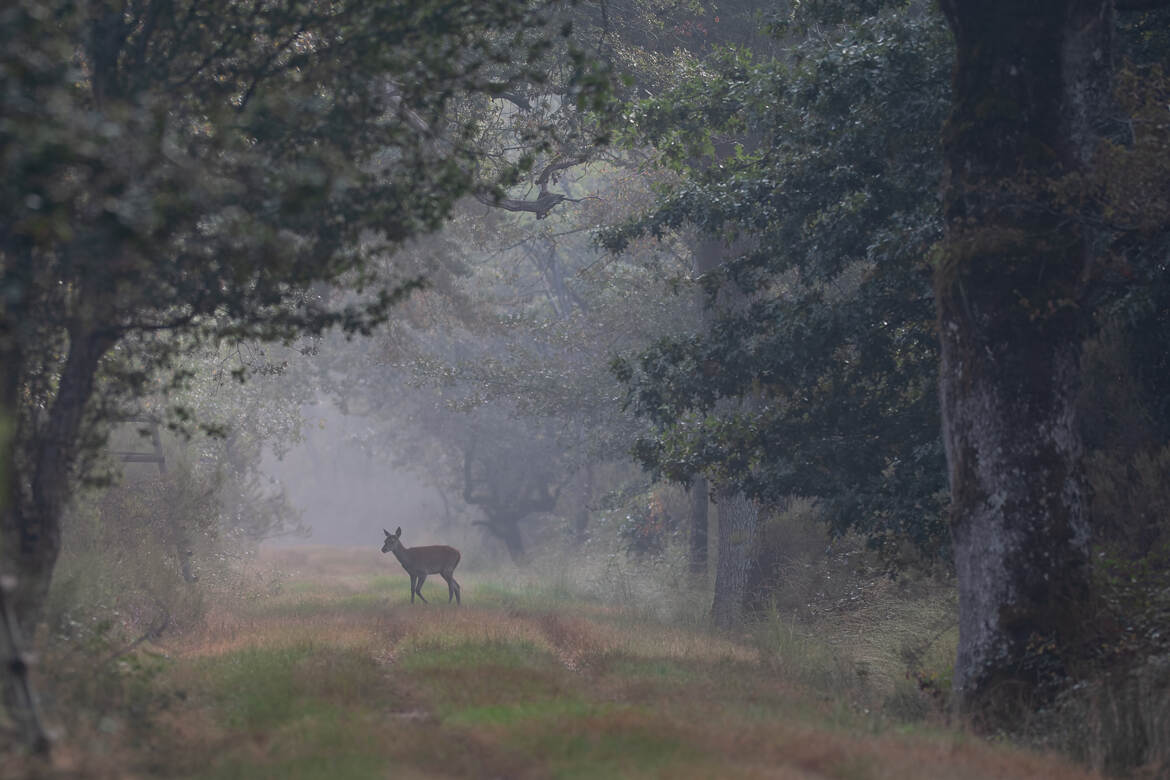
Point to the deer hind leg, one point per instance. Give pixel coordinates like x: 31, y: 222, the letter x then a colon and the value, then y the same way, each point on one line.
x: 421, y: 579
x: 453, y: 588
x: 450, y: 586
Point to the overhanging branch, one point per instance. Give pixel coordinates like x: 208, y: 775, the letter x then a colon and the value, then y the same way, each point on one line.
x: 1140, y: 5
x: 540, y: 207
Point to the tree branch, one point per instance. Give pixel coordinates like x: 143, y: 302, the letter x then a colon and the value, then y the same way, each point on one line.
x: 1140, y: 5
x: 540, y: 207
x: 559, y: 165
x: 546, y: 201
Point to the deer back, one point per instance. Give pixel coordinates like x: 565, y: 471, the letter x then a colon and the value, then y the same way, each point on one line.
x: 429, y: 559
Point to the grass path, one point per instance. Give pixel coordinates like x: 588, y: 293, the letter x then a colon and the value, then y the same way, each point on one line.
x: 338, y: 676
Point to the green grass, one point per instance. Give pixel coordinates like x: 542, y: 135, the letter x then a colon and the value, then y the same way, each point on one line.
x: 383, y: 583
x: 266, y: 687
x: 554, y: 709
x: 306, y: 586
x: 601, y: 747
x: 311, y: 747
x: 343, y: 678
x: 461, y: 654
x: 652, y: 668
x: 306, y: 605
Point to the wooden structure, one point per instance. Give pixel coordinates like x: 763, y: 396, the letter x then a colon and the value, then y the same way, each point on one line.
x: 177, y: 533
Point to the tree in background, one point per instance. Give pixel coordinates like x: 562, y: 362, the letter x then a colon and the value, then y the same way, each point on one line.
x: 492, y: 384
x: 837, y: 198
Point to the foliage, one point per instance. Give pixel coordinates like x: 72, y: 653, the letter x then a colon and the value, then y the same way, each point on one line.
x: 821, y: 164
x: 650, y: 526
x: 249, y: 397
x: 179, y: 174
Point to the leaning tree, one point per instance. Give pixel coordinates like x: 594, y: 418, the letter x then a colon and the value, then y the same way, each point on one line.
x: 207, y: 170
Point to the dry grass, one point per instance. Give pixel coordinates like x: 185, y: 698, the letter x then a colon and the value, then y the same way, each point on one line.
x: 338, y: 675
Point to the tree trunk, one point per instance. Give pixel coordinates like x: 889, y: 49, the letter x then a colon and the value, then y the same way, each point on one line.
x: 700, y: 501
x: 738, y: 517
x: 31, y: 529
x: 1028, y: 83
x: 510, y: 535
x: 507, y: 530
x: 708, y: 255
x: 581, y: 519
x: 739, y: 520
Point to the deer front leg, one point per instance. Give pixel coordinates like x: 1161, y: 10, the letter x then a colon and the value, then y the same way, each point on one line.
x: 421, y: 579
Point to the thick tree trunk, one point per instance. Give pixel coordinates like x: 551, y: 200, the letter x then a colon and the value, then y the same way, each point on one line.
x: 700, y: 505
x: 739, y: 520
x: 1028, y: 82
x: 507, y: 530
x: 510, y: 535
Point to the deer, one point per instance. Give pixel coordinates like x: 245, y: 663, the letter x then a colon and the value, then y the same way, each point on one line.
x: 421, y: 561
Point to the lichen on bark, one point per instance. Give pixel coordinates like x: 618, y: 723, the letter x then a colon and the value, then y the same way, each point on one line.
x: 1008, y: 282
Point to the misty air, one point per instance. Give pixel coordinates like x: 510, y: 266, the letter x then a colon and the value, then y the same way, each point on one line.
x: 534, y: 389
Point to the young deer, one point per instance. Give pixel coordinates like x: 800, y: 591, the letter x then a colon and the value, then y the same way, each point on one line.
x: 421, y: 561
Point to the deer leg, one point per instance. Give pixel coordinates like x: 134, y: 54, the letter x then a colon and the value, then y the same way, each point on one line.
x: 411, y: 588
x: 421, y: 579
x: 453, y: 585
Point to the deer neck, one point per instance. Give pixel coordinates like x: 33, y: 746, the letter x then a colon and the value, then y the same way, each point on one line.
x: 404, y: 557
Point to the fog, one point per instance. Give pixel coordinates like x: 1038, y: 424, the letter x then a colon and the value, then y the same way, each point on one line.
x: 345, y: 491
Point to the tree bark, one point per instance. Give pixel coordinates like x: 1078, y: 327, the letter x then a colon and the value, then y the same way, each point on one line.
x: 700, y: 500
x: 509, y: 534
x: 738, y: 516
x: 708, y: 256
x: 1030, y: 80
x: 739, y: 520
x: 507, y: 530
x: 31, y: 528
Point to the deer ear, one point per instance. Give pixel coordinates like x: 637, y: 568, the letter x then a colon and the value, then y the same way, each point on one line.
x: 399, y: 531
x: 386, y: 532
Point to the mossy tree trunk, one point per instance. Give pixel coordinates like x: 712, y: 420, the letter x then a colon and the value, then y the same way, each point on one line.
x: 1030, y: 80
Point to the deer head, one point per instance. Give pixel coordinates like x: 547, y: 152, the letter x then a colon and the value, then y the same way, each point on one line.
x: 393, y: 540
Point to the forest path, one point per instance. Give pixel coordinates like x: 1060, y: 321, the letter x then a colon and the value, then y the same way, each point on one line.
x: 337, y: 675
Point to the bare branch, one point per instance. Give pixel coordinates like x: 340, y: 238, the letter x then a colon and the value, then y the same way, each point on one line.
x: 546, y: 201
x: 559, y: 165
x: 540, y: 207
x: 518, y: 100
